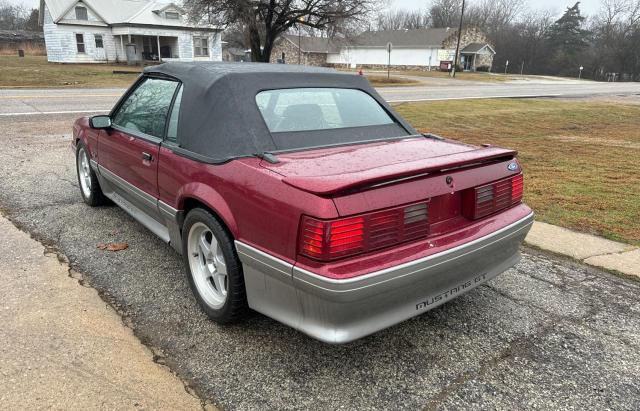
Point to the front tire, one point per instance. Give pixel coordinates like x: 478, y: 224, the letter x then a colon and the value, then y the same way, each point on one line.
x: 213, y: 268
x: 87, y: 179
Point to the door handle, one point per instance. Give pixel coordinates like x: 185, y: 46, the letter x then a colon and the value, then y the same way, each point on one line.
x: 147, y: 156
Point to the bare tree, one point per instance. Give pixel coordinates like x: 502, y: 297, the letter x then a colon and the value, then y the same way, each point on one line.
x: 264, y: 21
x: 12, y: 17
x: 616, y: 31
x: 445, y: 13
x: 402, y: 19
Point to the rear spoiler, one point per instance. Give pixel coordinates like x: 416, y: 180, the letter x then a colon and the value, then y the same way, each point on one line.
x: 332, y: 184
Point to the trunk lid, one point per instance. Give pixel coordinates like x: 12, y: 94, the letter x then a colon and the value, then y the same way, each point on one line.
x: 337, y: 171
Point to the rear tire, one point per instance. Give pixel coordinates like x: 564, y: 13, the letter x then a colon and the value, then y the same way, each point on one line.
x: 213, y: 268
x: 87, y: 178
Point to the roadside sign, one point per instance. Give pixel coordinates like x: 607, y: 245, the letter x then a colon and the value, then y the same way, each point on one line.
x: 446, y: 55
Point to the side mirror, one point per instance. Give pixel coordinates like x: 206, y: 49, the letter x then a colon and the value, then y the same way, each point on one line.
x: 100, y: 122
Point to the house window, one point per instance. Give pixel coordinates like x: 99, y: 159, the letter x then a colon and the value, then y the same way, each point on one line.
x: 200, y: 46
x: 81, y: 13
x: 99, y: 43
x: 172, y: 15
x: 80, y: 42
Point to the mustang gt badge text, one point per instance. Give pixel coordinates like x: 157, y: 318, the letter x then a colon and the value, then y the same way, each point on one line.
x: 450, y: 293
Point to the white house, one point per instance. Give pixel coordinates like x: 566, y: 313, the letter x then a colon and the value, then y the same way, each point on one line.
x: 100, y: 31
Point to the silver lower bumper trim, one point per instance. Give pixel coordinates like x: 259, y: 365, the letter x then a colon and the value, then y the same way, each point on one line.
x: 339, y: 311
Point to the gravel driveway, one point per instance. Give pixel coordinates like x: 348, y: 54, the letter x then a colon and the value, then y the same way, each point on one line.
x: 547, y: 334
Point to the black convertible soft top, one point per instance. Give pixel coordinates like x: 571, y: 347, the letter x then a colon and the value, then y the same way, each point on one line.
x: 219, y: 118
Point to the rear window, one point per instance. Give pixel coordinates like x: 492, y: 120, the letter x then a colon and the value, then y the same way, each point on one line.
x: 309, y: 109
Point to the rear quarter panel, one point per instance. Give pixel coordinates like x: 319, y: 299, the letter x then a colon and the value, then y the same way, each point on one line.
x: 253, y: 203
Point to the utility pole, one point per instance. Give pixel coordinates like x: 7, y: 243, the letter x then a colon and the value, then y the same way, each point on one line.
x: 299, y: 49
x: 455, y: 59
x: 389, y: 47
x: 300, y: 20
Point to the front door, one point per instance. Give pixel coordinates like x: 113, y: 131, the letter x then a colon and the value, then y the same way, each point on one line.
x: 128, y: 152
x: 468, y: 62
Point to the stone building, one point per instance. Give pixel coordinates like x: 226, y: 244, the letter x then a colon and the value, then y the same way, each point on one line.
x: 418, y: 49
x: 475, y: 50
x: 313, y: 51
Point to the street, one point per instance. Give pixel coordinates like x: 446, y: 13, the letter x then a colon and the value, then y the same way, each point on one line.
x: 59, y: 101
x: 550, y: 333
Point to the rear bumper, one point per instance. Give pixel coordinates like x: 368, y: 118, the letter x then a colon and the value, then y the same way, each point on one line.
x: 339, y: 311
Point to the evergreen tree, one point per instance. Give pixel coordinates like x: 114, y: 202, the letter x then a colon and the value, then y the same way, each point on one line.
x: 567, y: 41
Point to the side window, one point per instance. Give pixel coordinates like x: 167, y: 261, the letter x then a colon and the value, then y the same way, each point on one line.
x: 80, y: 42
x: 172, y: 130
x: 98, y: 39
x: 146, y: 109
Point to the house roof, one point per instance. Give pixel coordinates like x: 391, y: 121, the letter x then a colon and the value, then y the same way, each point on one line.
x: 398, y: 38
x: 403, y: 38
x: 475, y: 48
x: 134, y: 12
x: 21, y: 35
x: 314, y: 44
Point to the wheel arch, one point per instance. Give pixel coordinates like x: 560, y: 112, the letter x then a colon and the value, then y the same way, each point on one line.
x: 214, y: 203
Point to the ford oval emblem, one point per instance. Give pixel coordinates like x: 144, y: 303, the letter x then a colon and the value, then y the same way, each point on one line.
x: 513, y: 166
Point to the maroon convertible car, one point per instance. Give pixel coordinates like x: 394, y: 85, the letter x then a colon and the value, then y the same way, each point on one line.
x: 300, y: 193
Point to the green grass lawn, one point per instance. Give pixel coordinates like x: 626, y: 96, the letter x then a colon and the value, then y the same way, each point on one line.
x: 461, y: 75
x: 581, y: 159
x: 383, y: 81
x: 35, y: 71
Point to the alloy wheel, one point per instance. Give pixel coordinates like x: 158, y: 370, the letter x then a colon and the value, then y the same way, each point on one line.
x: 208, y: 266
x: 84, y: 171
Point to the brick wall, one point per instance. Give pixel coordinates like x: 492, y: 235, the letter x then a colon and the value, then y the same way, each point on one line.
x: 470, y: 35
x: 383, y: 67
x: 290, y: 51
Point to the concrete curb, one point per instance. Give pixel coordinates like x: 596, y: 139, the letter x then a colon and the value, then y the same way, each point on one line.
x: 590, y: 249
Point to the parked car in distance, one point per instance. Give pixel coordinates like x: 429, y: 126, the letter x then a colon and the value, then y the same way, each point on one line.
x: 300, y: 193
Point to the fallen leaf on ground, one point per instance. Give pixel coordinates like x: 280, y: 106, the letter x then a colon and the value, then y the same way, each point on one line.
x: 113, y: 246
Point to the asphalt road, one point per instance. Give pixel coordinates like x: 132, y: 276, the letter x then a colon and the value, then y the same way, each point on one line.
x: 57, y: 101
x: 548, y: 334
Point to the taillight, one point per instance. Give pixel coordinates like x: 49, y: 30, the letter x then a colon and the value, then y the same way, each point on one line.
x: 517, y: 187
x: 331, y: 239
x: 481, y: 201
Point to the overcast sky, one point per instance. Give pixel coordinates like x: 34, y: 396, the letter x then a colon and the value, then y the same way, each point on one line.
x: 586, y: 6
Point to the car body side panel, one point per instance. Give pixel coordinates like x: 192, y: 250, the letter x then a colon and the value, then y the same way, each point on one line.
x: 252, y: 201
x: 88, y: 136
x: 121, y: 155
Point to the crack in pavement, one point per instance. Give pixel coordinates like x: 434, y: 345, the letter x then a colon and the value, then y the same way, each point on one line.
x: 522, y: 345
